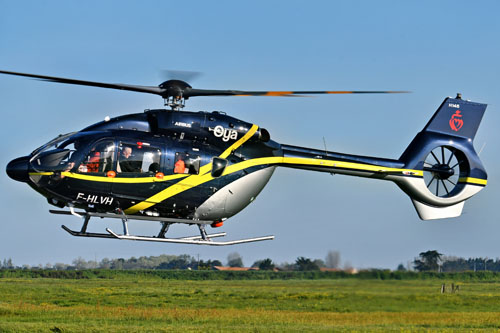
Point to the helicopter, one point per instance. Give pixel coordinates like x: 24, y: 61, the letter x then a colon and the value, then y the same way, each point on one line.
x: 201, y: 168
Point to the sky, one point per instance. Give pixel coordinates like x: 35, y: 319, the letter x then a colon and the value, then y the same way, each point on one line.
x: 433, y: 49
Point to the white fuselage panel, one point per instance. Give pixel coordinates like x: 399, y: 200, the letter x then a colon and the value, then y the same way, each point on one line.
x: 234, y: 197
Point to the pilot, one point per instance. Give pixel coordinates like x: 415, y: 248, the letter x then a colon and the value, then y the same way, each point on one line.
x: 126, y: 165
x: 93, y: 163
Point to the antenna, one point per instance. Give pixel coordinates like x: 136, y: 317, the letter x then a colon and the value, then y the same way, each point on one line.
x: 324, y: 143
x: 480, y: 150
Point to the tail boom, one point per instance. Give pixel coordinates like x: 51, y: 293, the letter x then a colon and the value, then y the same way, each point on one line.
x: 439, y: 170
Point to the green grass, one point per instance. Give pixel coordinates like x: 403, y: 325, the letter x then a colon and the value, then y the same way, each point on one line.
x: 151, y: 303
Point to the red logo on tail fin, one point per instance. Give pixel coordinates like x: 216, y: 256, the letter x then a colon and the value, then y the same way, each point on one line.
x: 456, y: 121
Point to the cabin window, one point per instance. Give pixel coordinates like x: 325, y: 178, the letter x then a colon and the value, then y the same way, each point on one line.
x: 138, y: 157
x: 187, y: 163
x: 218, y: 166
x: 99, y: 159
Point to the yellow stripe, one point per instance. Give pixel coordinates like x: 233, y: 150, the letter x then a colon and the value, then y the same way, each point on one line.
x: 194, y: 181
x: 471, y: 180
x: 316, y: 162
x: 137, y: 180
x: 41, y: 173
x: 349, y: 165
x: 104, y: 179
x: 191, y: 181
x: 241, y: 141
x: 248, y: 164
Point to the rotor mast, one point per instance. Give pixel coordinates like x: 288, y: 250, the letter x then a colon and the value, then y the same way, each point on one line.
x: 176, y: 103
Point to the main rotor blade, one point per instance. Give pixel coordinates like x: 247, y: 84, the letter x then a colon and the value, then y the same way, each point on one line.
x: 171, y: 74
x: 211, y: 92
x: 180, y: 89
x: 119, y: 86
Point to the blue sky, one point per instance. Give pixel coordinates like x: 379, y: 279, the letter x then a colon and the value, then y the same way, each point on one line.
x: 434, y: 49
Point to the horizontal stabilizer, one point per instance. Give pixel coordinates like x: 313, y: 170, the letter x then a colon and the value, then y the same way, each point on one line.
x: 426, y: 212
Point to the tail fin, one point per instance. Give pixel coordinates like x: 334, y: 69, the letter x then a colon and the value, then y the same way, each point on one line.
x: 444, y: 151
x: 456, y: 117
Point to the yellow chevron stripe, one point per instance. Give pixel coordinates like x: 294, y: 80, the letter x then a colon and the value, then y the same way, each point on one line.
x: 241, y: 141
x: 191, y: 181
x: 470, y: 180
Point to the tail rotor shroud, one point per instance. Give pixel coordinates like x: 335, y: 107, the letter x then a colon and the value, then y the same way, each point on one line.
x: 443, y: 167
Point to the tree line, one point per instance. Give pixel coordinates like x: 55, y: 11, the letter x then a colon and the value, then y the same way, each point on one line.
x: 428, y: 261
x: 185, y: 261
x: 433, y: 261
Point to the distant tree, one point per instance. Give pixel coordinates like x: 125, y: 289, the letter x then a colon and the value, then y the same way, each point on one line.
x: 285, y: 266
x: 209, y: 264
x: 264, y: 264
x: 183, y: 261
x: 401, y: 268
x: 320, y: 263
x: 80, y: 263
x: 105, y: 263
x: 306, y: 264
x: 332, y: 259
x: 234, y: 260
x: 429, y: 261
x: 174, y: 264
x: 117, y: 263
x: 7, y: 264
x: 60, y: 266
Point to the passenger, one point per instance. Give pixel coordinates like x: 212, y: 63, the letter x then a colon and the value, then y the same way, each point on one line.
x: 180, y: 166
x: 126, y: 165
x: 154, y: 167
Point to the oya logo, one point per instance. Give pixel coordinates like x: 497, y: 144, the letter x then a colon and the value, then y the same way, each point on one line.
x: 225, y: 133
x: 456, y: 121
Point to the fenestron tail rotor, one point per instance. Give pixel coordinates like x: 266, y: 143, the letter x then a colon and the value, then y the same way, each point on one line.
x: 442, y: 169
x: 175, y: 91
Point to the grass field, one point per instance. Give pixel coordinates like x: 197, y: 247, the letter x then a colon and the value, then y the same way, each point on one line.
x: 141, y: 304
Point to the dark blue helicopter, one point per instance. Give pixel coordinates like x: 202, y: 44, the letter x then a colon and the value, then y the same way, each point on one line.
x: 202, y: 168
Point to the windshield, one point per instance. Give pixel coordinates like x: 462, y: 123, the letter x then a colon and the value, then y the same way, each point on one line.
x: 59, y: 153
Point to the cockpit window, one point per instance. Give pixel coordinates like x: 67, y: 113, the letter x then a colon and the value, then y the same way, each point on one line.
x: 99, y: 159
x: 138, y: 157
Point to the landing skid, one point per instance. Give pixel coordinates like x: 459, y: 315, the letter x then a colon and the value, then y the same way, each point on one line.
x: 190, y: 240
x: 202, y: 239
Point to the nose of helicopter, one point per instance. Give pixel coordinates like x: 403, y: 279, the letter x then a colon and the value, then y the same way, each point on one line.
x: 17, y: 169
